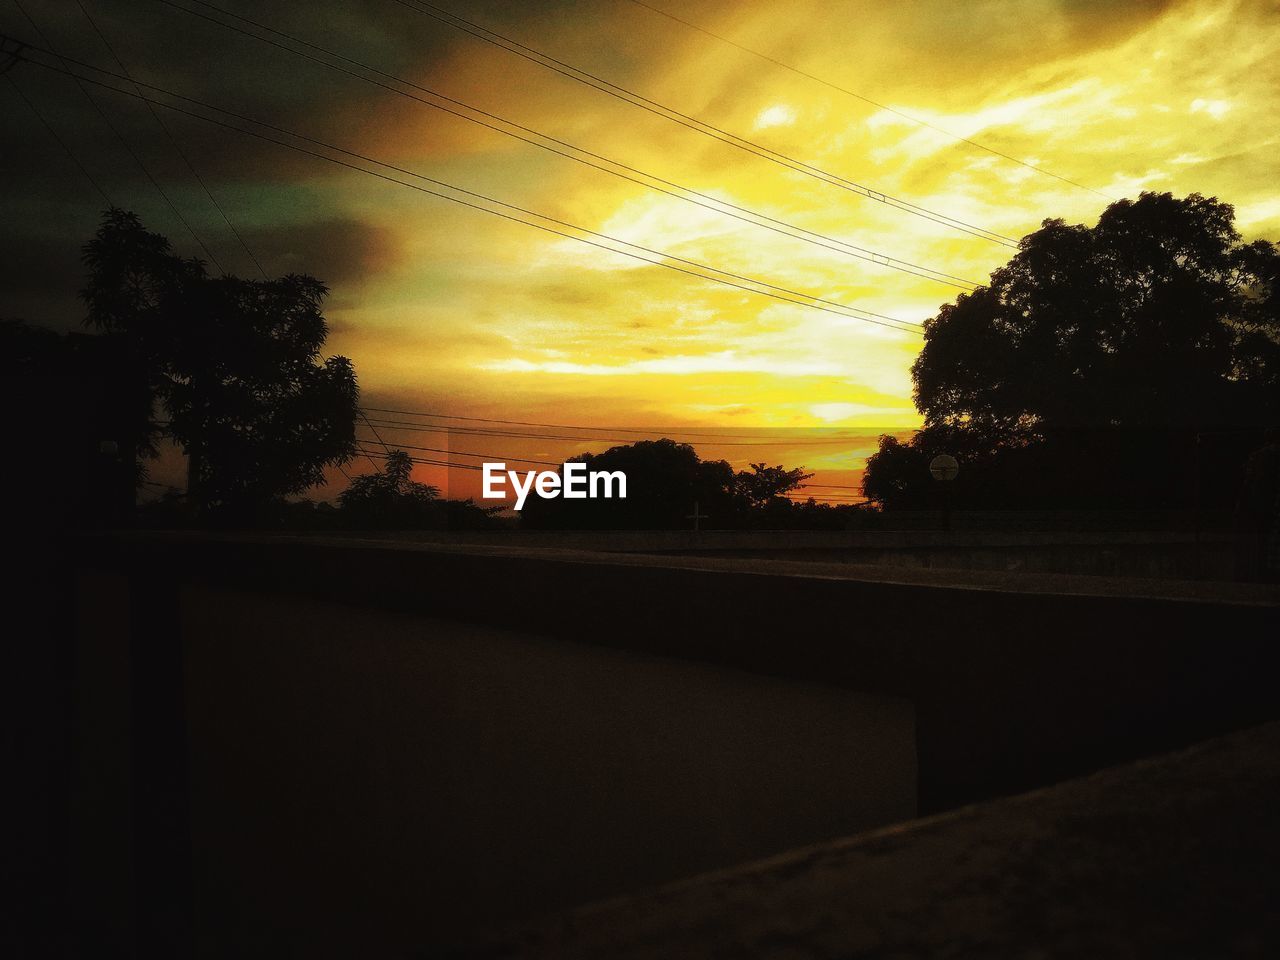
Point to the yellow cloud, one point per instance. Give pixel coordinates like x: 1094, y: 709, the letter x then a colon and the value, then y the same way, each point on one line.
x: 497, y: 316
x: 1214, y: 108
x: 778, y: 115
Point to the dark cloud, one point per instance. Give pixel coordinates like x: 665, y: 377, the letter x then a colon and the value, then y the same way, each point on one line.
x: 255, y: 181
x: 189, y: 55
x: 40, y: 273
x: 339, y: 251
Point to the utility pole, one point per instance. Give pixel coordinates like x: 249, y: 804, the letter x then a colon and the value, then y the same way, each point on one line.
x: 697, y: 517
x: 944, y: 469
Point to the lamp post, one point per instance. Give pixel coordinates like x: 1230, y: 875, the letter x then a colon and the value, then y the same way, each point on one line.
x: 944, y: 469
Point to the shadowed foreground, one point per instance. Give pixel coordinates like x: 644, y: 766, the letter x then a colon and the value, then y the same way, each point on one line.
x: 1171, y: 857
x: 347, y: 747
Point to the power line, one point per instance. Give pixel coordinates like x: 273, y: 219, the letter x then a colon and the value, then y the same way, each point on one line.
x: 471, y: 466
x: 707, y: 440
x: 841, y: 490
x: 868, y: 100
x: 396, y: 445
x: 173, y: 141
x: 118, y: 135
x: 464, y: 453
x: 577, y: 426
x: 438, y: 463
x: 679, y: 191
x: 62, y: 143
x: 372, y: 462
x: 385, y: 448
x: 845, y: 310
x: 700, y: 126
x: 545, y: 463
x: 830, y: 503
x: 826, y: 500
x: 476, y: 431
x: 828, y: 496
x: 375, y: 430
x: 832, y: 499
x: 785, y: 294
x: 835, y: 497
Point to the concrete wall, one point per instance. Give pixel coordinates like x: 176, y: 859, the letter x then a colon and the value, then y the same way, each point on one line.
x: 1170, y: 857
x: 359, y: 783
x: 1164, y: 554
x: 1161, y: 558
x: 350, y: 746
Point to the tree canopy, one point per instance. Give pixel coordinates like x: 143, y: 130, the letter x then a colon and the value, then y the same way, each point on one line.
x: 390, y: 497
x: 1089, y: 364
x: 664, y: 481
x: 235, y: 364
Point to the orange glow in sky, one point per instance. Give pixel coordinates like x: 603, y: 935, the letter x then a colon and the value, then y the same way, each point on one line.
x: 457, y: 312
x: 479, y: 316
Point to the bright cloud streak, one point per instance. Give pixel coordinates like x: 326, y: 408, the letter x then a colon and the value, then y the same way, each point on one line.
x: 779, y: 115
x: 454, y: 310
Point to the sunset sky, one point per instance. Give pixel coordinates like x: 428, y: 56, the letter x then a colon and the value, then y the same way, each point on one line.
x: 448, y: 310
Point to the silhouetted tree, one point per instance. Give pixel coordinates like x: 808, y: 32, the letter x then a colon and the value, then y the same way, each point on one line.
x: 664, y: 481
x: 235, y: 363
x: 391, y: 498
x: 761, y: 485
x: 1087, y: 366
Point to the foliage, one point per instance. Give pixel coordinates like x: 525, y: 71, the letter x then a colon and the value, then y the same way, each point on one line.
x: 762, y: 485
x: 665, y: 479
x: 235, y: 363
x: 392, y: 499
x: 389, y: 498
x: 1086, y: 368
